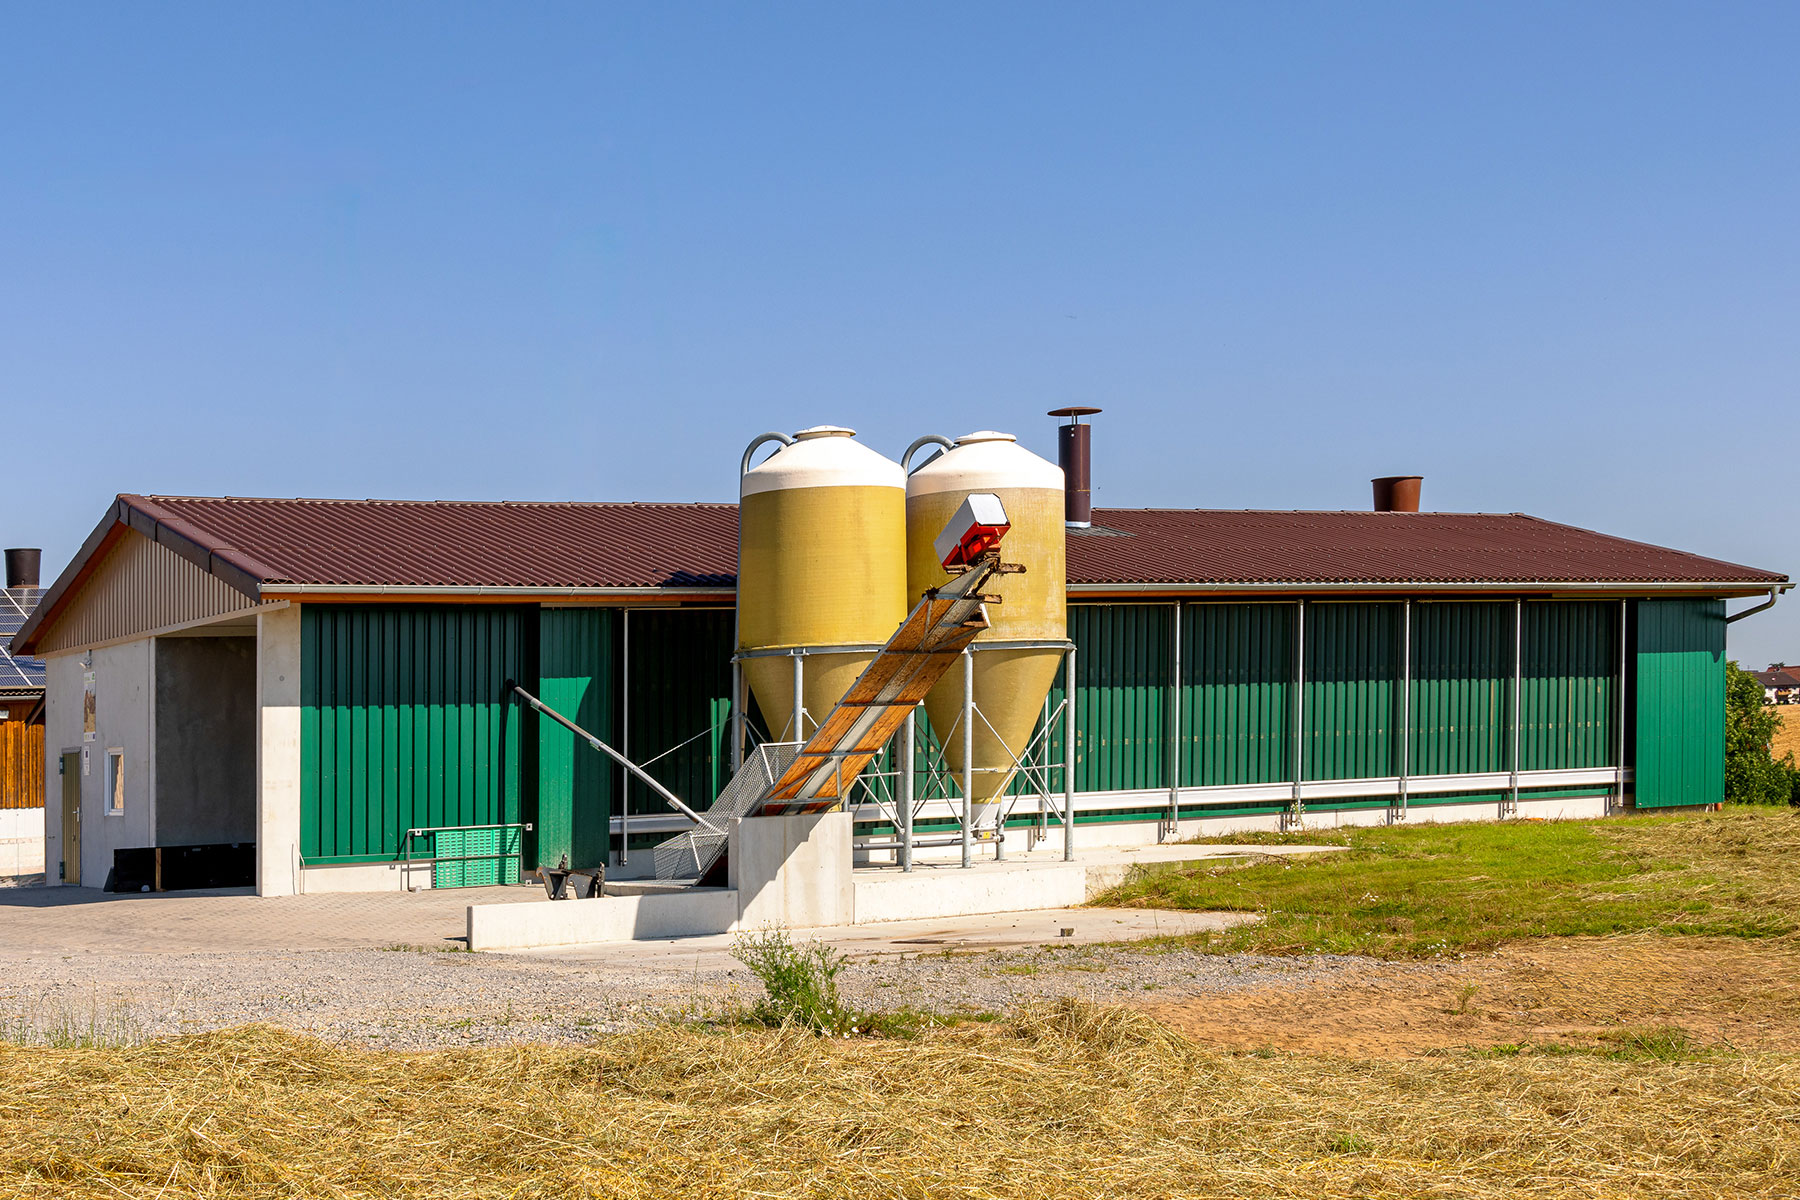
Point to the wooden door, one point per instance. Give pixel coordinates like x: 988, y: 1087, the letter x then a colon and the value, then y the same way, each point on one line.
x: 71, y: 817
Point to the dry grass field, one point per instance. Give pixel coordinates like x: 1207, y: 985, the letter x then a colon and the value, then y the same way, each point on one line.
x: 1644, y: 1041
x: 1787, y: 737
x: 1061, y: 1101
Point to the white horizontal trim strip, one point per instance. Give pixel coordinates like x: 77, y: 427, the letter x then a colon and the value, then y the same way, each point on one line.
x: 1259, y: 793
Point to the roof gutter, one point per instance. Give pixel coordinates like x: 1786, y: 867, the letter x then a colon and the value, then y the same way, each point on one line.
x: 274, y: 591
x: 1702, y: 586
x: 1774, y: 595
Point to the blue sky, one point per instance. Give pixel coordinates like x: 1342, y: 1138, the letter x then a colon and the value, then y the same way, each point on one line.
x: 1545, y: 255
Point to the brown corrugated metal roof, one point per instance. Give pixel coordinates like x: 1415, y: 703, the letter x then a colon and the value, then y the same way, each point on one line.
x: 460, y: 544
x: 271, y: 547
x: 576, y: 545
x: 1192, y: 546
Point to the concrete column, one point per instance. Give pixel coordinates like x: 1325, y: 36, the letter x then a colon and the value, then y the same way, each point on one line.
x: 793, y: 870
x: 278, y: 751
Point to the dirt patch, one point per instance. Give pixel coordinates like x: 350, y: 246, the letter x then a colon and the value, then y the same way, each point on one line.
x: 1720, y: 991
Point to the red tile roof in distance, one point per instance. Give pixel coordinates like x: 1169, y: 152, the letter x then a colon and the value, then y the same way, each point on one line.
x: 379, y: 543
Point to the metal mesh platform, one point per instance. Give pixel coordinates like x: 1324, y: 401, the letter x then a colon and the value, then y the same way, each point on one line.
x: 690, y: 855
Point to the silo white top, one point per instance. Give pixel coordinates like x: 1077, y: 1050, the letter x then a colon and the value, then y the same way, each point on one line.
x: 823, y: 456
x: 984, y: 461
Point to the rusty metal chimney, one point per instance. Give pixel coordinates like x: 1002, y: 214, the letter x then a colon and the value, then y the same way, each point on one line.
x: 1397, y: 493
x: 22, y: 567
x: 1072, y: 457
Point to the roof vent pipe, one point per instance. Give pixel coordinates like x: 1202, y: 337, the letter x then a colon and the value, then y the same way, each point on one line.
x: 22, y: 567
x: 1397, y: 493
x: 1072, y: 455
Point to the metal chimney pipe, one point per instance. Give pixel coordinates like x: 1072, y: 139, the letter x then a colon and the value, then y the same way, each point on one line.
x: 22, y: 567
x: 1397, y: 493
x: 1072, y: 455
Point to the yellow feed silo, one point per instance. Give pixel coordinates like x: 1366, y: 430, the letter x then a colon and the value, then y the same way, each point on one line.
x: 1010, y: 684
x: 822, y: 530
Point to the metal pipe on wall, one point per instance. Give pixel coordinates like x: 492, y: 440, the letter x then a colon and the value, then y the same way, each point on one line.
x: 1297, y: 810
x: 1405, y: 702
x: 1624, y: 615
x: 1517, y: 687
x: 1173, y: 758
x: 737, y: 715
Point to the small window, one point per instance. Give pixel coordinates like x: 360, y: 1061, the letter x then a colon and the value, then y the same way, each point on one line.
x: 115, y: 783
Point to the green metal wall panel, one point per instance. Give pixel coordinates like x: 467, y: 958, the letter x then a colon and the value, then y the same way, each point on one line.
x: 1122, y: 667
x: 678, y: 704
x: 1237, y: 694
x: 1679, y: 694
x: 1461, y: 687
x: 1570, y: 667
x: 1351, y: 710
x: 577, y: 676
x: 404, y: 722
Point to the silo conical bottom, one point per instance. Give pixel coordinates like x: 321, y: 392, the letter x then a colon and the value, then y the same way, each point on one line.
x: 1010, y: 686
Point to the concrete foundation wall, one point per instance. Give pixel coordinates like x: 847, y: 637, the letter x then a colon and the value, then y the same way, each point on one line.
x: 124, y: 695
x: 21, y: 841
x: 205, y: 740
x: 366, y: 877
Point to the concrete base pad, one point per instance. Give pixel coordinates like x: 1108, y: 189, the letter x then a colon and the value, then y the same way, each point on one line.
x: 971, y: 934
x: 882, y: 897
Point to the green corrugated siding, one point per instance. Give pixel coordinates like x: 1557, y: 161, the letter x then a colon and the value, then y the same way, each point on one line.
x: 577, y: 676
x: 1570, y: 686
x: 1122, y: 680
x: 404, y: 722
x: 1679, y: 695
x: 1237, y: 688
x: 1461, y: 687
x: 679, y: 692
x: 1352, y: 690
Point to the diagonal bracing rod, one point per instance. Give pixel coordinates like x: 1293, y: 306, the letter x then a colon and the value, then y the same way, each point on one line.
x: 669, y: 797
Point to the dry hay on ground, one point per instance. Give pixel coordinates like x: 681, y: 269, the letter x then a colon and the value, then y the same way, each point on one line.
x: 1065, y: 1100
x: 1719, y: 991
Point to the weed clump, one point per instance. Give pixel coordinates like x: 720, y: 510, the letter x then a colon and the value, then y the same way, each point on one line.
x: 800, y: 982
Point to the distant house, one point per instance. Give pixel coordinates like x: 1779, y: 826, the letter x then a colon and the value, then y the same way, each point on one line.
x: 21, y: 727
x: 1780, y: 684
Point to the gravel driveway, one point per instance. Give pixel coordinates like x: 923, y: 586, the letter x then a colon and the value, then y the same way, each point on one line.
x: 418, y: 998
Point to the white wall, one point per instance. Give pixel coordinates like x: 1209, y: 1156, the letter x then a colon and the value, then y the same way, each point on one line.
x: 124, y: 687
x: 278, y: 752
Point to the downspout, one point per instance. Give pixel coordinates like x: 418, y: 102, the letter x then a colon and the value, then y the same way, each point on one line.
x: 1774, y: 594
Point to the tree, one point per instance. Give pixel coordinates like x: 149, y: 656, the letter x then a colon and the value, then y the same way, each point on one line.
x: 1753, y: 775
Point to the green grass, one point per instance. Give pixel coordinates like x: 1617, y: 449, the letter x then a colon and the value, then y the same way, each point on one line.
x: 1421, y: 891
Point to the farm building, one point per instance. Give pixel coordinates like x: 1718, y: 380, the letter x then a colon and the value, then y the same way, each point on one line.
x: 21, y: 726
x: 323, y: 684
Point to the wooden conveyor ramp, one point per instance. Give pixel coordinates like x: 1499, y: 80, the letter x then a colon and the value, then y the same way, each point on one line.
x: 928, y: 642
